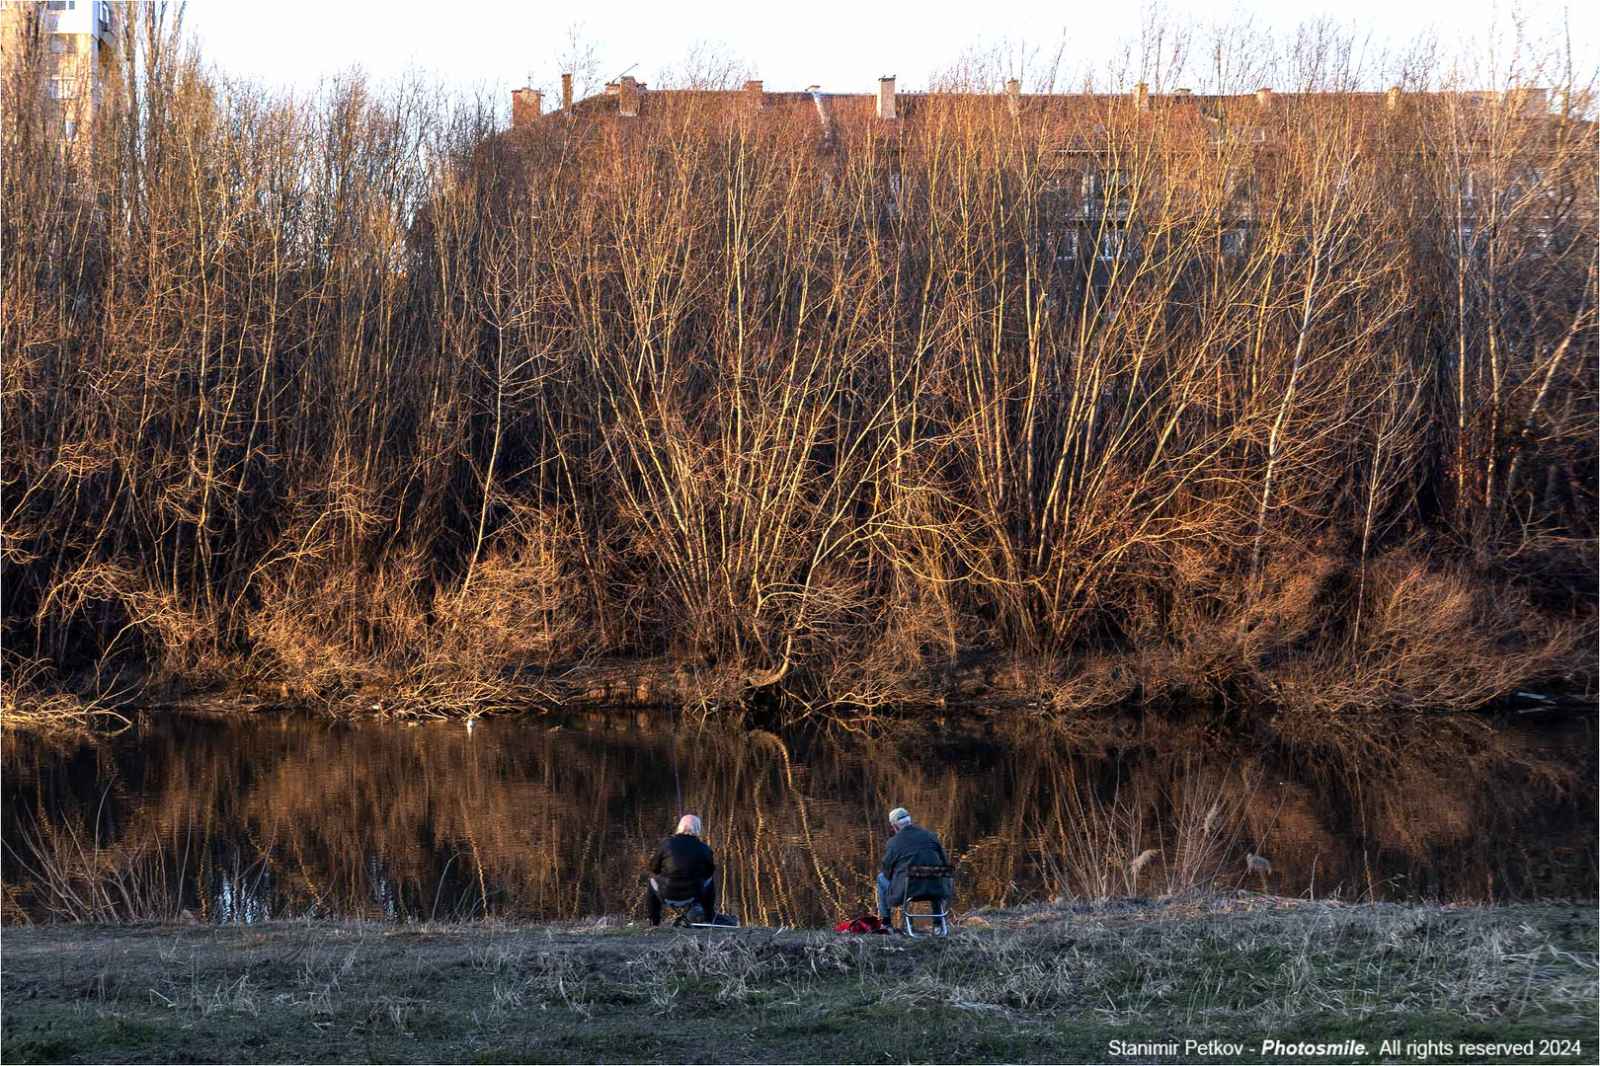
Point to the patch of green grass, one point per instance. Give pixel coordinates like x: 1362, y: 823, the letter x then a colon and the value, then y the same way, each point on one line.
x: 22, y: 1049
x: 61, y: 1034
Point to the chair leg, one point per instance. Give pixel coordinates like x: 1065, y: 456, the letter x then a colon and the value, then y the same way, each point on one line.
x: 937, y: 917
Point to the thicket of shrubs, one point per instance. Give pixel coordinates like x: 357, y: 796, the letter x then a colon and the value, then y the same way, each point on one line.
x: 362, y: 394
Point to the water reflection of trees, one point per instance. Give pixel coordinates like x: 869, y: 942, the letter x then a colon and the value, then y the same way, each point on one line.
x: 281, y: 818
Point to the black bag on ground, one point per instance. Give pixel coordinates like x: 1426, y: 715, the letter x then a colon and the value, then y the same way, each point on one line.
x: 696, y: 915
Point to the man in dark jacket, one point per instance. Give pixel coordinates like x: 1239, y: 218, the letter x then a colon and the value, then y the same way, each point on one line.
x: 682, y: 870
x: 909, y: 845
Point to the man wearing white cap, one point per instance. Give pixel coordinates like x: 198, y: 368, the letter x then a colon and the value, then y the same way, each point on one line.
x: 682, y: 871
x: 909, y: 845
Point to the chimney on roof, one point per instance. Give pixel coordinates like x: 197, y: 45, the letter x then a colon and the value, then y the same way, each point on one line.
x: 886, y: 97
x: 1141, y: 97
x: 566, y: 93
x: 1014, y: 96
x: 1391, y: 99
x: 1263, y: 98
x: 628, y: 92
x: 824, y: 119
x: 526, y: 105
x: 755, y: 95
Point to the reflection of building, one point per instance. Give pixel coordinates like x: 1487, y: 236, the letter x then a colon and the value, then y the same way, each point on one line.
x: 73, y: 47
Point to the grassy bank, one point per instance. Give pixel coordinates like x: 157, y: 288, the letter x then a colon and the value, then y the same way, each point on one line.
x: 1051, y: 984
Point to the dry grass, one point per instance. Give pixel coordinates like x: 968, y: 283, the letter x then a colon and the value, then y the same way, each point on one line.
x: 1055, y: 983
x: 75, y: 876
x: 1178, y: 832
x: 30, y: 699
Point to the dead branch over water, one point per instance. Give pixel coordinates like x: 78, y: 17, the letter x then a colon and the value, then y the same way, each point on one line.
x: 1291, y: 405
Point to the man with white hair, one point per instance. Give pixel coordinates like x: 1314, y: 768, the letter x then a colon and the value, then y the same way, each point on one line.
x: 681, y: 872
x: 909, y: 845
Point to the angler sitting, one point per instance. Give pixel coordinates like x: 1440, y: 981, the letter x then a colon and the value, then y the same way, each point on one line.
x: 682, y: 873
x: 911, y: 851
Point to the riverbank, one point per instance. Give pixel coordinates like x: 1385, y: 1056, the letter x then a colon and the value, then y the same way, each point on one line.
x: 981, y: 690
x: 1040, y: 984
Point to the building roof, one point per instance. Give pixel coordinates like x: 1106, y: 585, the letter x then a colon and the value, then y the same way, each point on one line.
x: 1074, y: 121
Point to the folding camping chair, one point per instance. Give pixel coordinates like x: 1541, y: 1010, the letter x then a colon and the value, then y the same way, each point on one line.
x: 684, y: 909
x: 937, y: 916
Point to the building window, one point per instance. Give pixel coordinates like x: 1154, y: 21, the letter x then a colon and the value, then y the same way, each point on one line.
x: 69, y: 130
x: 1091, y: 187
x: 58, y: 45
x: 1106, y: 193
x: 61, y: 5
x: 63, y: 88
x: 1239, y: 194
x: 1060, y: 244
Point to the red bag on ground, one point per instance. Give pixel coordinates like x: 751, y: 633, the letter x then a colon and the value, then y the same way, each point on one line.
x: 862, y: 923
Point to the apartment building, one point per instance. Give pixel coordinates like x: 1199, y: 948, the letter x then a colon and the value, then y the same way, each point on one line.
x: 74, y: 48
x: 1095, y: 178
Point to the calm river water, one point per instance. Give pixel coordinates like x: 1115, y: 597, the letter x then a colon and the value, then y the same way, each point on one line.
x: 528, y: 819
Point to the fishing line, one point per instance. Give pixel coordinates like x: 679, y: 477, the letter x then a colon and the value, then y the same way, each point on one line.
x: 676, y: 780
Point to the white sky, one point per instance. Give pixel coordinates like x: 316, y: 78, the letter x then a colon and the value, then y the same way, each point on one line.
x: 842, y: 46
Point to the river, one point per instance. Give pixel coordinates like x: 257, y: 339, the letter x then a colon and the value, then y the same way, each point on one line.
x: 245, y: 819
